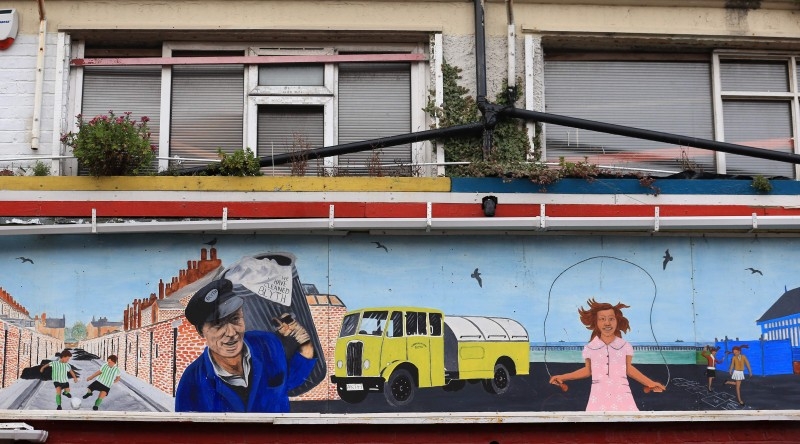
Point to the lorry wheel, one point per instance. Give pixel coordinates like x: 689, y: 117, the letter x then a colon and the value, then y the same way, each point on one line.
x: 350, y: 397
x: 399, y: 389
x: 501, y: 381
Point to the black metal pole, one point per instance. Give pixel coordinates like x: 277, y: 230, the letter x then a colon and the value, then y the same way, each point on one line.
x: 151, y: 357
x: 174, y: 358
x: 354, y: 147
x: 5, y: 346
x: 650, y: 135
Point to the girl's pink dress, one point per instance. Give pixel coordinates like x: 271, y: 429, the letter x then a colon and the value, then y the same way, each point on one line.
x: 610, y: 389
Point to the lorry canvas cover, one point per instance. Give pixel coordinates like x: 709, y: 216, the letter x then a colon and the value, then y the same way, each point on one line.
x: 482, y: 328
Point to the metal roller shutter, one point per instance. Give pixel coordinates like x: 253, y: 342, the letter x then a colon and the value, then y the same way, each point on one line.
x: 286, y: 129
x: 761, y: 124
x: 673, y: 97
x: 121, y: 89
x: 207, y: 111
x: 374, y: 101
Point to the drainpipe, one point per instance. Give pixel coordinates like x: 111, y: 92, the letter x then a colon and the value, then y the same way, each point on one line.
x: 511, y: 91
x: 480, y: 54
x: 489, y: 118
x: 36, y: 127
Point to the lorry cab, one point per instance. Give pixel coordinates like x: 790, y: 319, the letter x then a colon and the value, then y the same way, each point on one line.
x: 400, y: 345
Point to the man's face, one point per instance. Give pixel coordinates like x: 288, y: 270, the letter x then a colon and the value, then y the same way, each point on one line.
x: 111, y: 363
x: 64, y: 359
x: 224, y: 337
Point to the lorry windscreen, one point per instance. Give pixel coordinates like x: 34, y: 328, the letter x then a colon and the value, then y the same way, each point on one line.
x: 349, y: 324
x: 373, y: 323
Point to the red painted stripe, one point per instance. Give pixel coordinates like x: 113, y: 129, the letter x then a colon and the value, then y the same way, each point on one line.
x: 363, y: 209
x: 250, y: 60
x: 476, y: 210
x: 384, y: 209
x: 592, y: 210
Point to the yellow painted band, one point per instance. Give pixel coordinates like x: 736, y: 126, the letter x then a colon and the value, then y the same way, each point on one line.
x: 222, y: 183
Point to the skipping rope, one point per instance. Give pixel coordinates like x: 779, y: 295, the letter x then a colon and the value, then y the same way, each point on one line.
x: 652, y: 304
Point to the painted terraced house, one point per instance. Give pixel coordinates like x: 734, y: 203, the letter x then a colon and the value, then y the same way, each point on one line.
x: 699, y: 96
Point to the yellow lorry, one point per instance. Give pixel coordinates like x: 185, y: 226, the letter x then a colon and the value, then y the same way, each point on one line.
x: 396, y: 350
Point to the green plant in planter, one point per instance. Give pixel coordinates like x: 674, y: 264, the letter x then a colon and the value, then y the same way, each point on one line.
x: 110, y: 145
x: 510, y: 149
x: 41, y: 169
x: 239, y: 163
x: 761, y: 184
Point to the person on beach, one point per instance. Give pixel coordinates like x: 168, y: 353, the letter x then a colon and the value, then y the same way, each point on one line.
x: 738, y: 363
x: 711, y: 367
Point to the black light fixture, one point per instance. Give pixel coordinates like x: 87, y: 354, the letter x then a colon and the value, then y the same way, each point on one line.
x: 489, y: 205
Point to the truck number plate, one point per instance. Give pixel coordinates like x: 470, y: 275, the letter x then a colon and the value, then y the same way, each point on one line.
x: 355, y: 387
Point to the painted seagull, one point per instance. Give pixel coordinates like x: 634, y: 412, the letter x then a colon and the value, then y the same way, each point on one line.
x: 25, y: 259
x: 475, y: 274
x: 754, y: 271
x: 380, y: 245
x: 667, y: 258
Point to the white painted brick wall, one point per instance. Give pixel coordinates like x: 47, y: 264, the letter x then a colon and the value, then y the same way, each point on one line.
x: 17, y: 92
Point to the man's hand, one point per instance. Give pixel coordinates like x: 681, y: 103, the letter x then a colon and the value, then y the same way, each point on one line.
x: 286, y: 326
x: 294, y: 333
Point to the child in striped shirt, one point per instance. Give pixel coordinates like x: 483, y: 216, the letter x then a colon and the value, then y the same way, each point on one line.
x: 61, y: 369
x: 108, y: 374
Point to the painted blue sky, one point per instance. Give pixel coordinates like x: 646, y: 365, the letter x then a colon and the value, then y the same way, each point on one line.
x: 705, y: 292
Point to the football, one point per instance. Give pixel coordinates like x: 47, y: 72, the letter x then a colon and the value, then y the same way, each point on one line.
x: 76, y: 402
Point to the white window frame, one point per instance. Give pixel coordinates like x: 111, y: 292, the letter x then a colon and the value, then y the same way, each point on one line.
x: 792, y: 96
x: 256, y: 95
x: 327, y: 103
x: 324, y: 96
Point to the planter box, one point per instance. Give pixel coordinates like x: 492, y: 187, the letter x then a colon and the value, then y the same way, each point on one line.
x: 391, y: 184
x: 622, y: 186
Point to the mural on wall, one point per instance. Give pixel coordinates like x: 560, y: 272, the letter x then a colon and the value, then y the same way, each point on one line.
x: 360, y: 324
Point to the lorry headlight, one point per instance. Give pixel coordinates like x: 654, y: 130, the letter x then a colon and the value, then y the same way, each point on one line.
x: 366, y: 363
x: 339, y: 364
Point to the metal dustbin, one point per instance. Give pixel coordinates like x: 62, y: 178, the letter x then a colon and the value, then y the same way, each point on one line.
x: 270, y: 286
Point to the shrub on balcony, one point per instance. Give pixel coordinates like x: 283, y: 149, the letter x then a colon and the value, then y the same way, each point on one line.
x: 110, y: 145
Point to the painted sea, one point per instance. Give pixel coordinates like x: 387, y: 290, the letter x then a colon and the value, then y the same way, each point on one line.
x: 643, y: 352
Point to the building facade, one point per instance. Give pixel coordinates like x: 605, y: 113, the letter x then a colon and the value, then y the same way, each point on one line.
x: 705, y: 70
x: 280, y: 77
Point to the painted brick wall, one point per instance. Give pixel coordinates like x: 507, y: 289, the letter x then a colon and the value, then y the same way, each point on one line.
x: 135, y: 348
x: 21, y: 348
x: 328, y: 315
